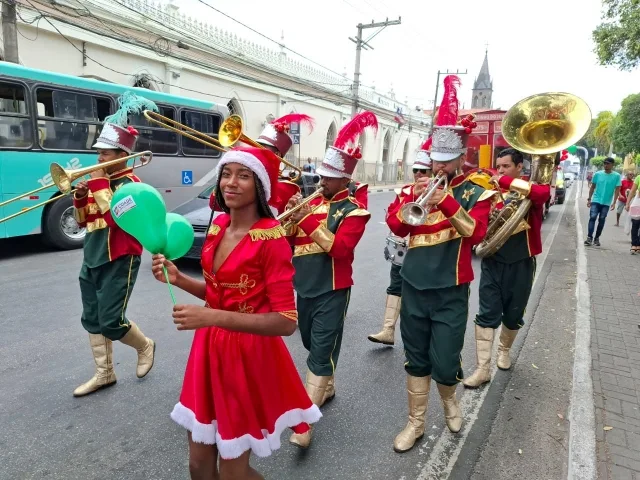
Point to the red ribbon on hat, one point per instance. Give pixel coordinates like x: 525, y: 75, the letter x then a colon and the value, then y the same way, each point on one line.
x: 468, y: 123
x: 132, y: 131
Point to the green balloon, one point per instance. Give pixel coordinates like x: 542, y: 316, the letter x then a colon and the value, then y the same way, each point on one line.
x: 180, y: 236
x: 139, y: 210
x: 572, y: 149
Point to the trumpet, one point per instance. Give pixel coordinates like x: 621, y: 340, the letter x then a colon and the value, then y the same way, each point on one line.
x: 230, y: 133
x: 306, y: 201
x: 415, y: 213
x: 62, y: 179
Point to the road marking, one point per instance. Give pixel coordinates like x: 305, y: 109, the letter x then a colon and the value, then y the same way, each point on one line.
x: 582, y: 423
x: 445, y: 452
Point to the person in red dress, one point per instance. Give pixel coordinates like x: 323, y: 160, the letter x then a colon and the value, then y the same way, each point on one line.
x: 241, y: 389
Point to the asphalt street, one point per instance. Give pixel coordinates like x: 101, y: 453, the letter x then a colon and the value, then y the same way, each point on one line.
x: 125, y: 432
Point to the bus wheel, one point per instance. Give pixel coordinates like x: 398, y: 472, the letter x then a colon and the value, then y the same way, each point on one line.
x: 59, y: 226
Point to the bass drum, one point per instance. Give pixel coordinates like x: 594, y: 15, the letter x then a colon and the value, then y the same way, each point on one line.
x: 395, y: 250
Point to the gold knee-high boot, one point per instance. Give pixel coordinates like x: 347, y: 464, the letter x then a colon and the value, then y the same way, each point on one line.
x: 105, y: 376
x: 452, y: 412
x: 145, y: 347
x: 506, y: 340
x: 315, y: 387
x: 330, y: 391
x: 391, y: 313
x: 484, y: 344
x: 418, y: 396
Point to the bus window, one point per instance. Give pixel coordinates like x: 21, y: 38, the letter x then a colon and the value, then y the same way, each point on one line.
x: 15, y: 126
x: 70, y: 120
x: 153, y: 137
x: 202, y: 122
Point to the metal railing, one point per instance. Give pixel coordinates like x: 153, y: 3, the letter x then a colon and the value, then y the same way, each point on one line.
x: 370, y: 173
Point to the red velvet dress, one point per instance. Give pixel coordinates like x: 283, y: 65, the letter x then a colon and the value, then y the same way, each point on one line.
x: 241, y: 390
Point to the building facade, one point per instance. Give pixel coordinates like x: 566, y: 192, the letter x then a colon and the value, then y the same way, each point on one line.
x: 135, y: 42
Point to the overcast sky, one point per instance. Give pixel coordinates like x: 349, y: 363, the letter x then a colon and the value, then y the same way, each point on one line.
x: 533, y: 46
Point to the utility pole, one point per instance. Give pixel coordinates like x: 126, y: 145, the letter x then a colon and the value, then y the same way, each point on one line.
x: 10, y: 31
x: 360, y: 44
x: 435, y: 99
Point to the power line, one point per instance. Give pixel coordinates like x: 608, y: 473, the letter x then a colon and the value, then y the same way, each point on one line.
x: 160, y: 81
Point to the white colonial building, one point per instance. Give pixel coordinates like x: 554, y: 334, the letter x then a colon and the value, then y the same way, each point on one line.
x: 154, y: 45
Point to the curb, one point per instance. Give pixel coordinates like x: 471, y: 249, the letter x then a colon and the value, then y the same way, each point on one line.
x: 385, y: 189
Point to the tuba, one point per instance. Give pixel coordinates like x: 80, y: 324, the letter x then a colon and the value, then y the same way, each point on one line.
x: 541, y: 125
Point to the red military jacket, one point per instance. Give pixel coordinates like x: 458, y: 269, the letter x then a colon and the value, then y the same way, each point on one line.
x: 256, y: 277
x: 105, y: 241
x: 361, y: 193
x: 526, y: 240
x: 324, y: 244
x: 440, y: 250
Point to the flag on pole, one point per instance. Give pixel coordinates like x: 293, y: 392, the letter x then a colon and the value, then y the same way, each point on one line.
x: 399, y: 118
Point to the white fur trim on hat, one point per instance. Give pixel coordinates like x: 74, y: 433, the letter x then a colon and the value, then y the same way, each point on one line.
x: 252, y: 163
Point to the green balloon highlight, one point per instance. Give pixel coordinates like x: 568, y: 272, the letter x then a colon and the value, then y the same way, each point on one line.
x: 572, y: 149
x: 180, y: 236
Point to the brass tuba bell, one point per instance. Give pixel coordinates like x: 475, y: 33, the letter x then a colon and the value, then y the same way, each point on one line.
x: 541, y: 125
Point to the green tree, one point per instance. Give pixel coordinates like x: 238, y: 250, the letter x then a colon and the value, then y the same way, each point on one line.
x: 602, y: 133
x: 626, y: 131
x: 617, y: 38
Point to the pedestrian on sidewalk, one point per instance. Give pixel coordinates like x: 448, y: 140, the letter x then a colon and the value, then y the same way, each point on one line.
x: 605, y: 186
x: 627, y: 184
x: 634, y: 213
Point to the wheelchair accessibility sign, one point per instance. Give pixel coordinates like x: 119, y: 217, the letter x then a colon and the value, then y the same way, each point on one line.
x: 187, y: 177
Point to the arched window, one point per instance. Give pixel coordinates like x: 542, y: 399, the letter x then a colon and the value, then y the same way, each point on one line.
x: 144, y: 80
x: 331, y: 135
x: 404, y: 172
x: 234, y: 107
x: 386, y: 155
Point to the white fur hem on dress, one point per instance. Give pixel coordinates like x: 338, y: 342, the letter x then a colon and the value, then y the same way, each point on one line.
x: 233, y: 448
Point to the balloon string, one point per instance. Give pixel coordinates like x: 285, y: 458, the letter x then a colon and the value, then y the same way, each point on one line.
x: 166, y: 276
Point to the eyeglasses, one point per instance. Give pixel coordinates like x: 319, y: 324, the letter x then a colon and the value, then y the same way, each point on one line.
x: 420, y: 170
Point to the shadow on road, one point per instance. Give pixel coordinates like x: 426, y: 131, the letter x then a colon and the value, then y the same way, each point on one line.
x: 11, y: 248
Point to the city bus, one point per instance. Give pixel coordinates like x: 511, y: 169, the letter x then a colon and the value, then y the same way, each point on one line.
x: 48, y: 117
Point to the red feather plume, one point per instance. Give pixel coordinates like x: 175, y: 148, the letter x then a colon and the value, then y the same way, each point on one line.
x: 295, y: 118
x: 426, y: 145
x: 448, y: 111
x: 355, y: 127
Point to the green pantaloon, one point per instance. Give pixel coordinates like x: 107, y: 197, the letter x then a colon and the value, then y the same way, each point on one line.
x: 433, y: 323
x: 395, y: 285
x: 105, y: 292
x: 321, y: 322
x: 504, y: 292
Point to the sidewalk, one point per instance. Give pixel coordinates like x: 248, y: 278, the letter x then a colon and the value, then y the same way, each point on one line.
x: 614, y: 285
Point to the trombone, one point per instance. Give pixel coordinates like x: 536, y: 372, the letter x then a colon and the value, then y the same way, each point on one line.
x: 62, y: 179
x: 292, y: 210
x: 230, y: 133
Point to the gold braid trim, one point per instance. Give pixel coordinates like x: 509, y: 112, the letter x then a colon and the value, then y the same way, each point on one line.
x: 80, y: 214
x: 290, y: 314
x: 103, y: 199
x: 323, y: 237
x: 463, y: 222
x: 520, y: 186
x: 267, y: 234
x: 97, y: 224
x: 214, y: 230
x: 244, y: 285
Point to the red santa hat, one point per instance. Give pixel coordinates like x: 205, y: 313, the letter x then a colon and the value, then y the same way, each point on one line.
x: 340, y: 161
x: 276, y: 133
x: 264, y: 163
x: 449, y: 140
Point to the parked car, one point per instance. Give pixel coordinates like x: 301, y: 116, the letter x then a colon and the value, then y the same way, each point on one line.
x: 560, y: 187
x: 198, y: 213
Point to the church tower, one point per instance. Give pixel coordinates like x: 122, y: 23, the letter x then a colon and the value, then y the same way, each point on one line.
x: 483, y: 86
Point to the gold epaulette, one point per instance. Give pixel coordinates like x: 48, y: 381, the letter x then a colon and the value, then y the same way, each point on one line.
x: 272, y: 233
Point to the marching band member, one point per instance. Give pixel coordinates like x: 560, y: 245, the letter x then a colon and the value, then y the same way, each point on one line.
x: 507, y: 276
x: 111, y: 256
x: 241, y: 389
x: 325, y: 233
x: 360, y: 191
x: 275, y: 137
x: 421, y: 168
x: 437, y: 272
